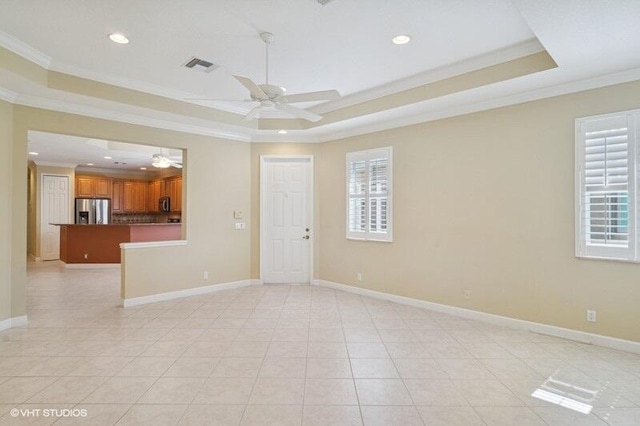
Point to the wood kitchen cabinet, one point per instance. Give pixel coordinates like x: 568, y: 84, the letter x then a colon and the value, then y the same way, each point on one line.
x: 93, y: 187
x: 117, y: 201
x: 134, y: 197
x: 155, y: 190
x: 174, y: 191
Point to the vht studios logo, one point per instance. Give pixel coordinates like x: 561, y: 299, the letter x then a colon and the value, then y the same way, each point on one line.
x: 48, y: 412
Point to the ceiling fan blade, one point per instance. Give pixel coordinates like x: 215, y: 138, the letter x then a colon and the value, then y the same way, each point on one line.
x: 254, y: 113
x: 255, y: 90
x: 323, y: 95
x: 299, y: 112
x: 218, y: 100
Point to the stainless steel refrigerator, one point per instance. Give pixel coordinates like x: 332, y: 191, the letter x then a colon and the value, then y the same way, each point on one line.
x: 94, y: 211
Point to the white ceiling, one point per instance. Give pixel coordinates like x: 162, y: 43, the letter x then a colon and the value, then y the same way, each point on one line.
x: 344, y: 45
x: 72, y: 151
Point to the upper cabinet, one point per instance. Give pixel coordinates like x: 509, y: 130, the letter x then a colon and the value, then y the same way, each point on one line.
x: 118, y: 197
x: 131, y: 196
x: 155, y: 190
x: 135, y: 197
x: 93, y: 187
x: 173, y: 188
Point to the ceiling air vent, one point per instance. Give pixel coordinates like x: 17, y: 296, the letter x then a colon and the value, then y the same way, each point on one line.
x: 200, y: 65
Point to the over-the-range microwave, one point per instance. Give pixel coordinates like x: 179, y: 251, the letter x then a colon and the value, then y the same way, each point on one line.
x: 164, y: 204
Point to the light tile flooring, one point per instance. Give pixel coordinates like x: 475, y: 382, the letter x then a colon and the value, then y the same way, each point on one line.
x: 291, y: 355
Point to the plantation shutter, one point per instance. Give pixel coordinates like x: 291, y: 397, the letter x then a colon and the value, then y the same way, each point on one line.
x: 606, y: 187
x: 368, y: 194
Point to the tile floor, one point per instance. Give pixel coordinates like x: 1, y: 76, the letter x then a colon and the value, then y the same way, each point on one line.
x: 294, y: 355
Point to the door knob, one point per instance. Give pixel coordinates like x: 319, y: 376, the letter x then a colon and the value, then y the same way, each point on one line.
x: 306, y: 237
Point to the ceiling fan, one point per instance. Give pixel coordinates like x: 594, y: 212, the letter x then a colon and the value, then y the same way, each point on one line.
x: 271, y: 97
x: 162, y: 161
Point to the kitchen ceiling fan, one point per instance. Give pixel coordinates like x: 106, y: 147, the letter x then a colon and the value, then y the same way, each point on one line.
x: 272, y: 97
x: 163, y: 161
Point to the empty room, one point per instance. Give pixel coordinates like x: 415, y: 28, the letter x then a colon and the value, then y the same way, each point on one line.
x: 320, y: 212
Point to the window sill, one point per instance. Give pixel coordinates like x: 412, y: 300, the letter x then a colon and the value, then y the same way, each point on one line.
x: 369, y: 239
x: 607, y: 259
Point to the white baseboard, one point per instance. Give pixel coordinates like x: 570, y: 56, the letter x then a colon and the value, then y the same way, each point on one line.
x: 551, y: 330
x: 13, y: 322
x: 135, y: 301
x: 90, y: 265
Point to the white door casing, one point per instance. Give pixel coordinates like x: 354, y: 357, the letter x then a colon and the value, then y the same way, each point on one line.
x: 286, y: 215
x: 55, y: 209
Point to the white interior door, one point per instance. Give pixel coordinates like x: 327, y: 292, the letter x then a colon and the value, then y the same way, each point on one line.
x: 286, y: 216
x: 55, y: 209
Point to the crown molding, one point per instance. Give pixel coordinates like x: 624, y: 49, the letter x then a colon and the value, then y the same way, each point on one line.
x: 23, y: 49
x: 302, y: 137
x: 140, y: 86
x: 468, y: 108
x: 8, y: 95
x: 55, y: 164
x: 447, y: 71
x: 95, y: 112
x: 102, y: 171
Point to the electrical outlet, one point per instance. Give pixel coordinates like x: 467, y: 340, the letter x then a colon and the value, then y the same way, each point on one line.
x: 240, y: 225
x: 591, y: 316
x: 205, y: 275
x: 86, y: 255
x: 467, y: 294
x: 359, y: 276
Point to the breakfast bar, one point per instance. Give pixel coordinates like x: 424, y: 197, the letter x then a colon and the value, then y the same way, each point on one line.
x: 90, y: 244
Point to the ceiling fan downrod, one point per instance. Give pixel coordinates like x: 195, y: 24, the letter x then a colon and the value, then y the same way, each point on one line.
x: 267, y: 38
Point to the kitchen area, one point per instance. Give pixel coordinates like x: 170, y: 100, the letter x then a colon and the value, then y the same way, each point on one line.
x: 111, y: 193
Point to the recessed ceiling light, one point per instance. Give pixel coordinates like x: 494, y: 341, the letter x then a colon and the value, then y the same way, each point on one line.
x: 119, y: 38
x: 107, y: 157
x: 33, y: 153
x: 282, y: 132
x: 143, y: 168
x: 401, y: 39
x: 89, y: 164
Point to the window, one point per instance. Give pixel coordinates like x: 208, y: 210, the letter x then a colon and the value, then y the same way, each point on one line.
x: 606, y: 179
x: 369, y: 190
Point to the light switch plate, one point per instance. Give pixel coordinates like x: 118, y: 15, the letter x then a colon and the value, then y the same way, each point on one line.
x: 240, y: 225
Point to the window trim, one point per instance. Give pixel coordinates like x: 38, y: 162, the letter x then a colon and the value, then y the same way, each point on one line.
x: 366, y: 155
x: 583, y: 250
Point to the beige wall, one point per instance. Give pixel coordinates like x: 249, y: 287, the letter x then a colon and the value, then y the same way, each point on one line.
x: 485, y: 202
x: 218, y: 182
x: 482, y: 202
x: 6, y: 137
x: 216, y: 178
x: 257, y: 150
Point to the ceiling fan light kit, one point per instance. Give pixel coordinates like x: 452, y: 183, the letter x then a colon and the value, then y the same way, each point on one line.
x: 162, y: 162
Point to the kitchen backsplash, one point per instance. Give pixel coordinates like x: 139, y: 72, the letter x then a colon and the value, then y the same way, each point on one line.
x: 144, y: 218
